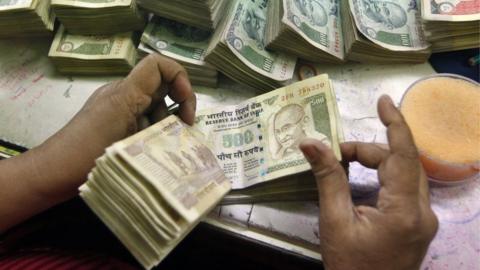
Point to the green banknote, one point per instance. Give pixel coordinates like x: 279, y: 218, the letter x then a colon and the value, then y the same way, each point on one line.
x: 176, y: 40
x: 15, y: 4
x: 90, y: 47
x: 245, y: 37
x: 257, y: 140
x: 92, y: 3
x: 318, y: 22
x: 395, y: 25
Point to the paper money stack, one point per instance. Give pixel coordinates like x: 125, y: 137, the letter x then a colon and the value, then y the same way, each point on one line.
x: 378, y: 31
x: 451, y: 25
x: 310, y: 30
x: 26, y: 18
x: 182, y: 43
x: 203, y: 14
x: 102, y: 55
x: 101, y: 17
x: 237, y: 48
x: 256, y: 141
x: 152, y: 188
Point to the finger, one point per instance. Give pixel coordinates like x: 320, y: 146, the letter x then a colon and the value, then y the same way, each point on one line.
x: 369, y: 155
x: 159, y: 112
x: 401, y: 172
x: 333, y: 190
x: 424, y: 189
x: 157, y: 98
x: 142, y: 122
x: 186, y: 99
x: 148, y: 76
x: 400, y: 138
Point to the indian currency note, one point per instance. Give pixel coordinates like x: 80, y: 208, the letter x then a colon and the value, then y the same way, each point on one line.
x: 92, y: 3
x: 171, y: 158
x: 394, y: 25
x: 90, y: 47
x: 245, y: 37
x: 451, y: 10
x: 257, y: 140
x: 176, y: 40
x: 15, y: 4
x: 318, y: 22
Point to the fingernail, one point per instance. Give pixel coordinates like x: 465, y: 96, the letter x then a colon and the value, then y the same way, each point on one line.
x: 310, y: 152
x: 388, y: 99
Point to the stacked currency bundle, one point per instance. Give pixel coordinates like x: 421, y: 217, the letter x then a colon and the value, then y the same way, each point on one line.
x: 102, y: 55
x: 379, y: 31
x: 182, y: 43
x: 451, y: 25
x: 309, y: 29
x: 152, y: 188
x: 25, y: 18
x: 301, y: 187
x: 256, y: 141
x: 203, y: 14
x: 237, y: 48
x: 102, y: 17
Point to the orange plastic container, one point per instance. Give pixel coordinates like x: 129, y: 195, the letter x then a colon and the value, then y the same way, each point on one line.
x: 443, y: 112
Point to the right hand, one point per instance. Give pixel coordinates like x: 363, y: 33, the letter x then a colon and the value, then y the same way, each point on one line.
x: 397, y: 232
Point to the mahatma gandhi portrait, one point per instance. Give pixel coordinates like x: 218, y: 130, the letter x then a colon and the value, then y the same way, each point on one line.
x: 390, y: 14
x: 254, y: 26
x: 289, y: 129
x: 313, y: 10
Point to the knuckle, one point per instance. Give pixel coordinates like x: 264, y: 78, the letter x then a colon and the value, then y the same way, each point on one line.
x: 154, y: 58
x: 411, y: 223
x: 323, y: 170
x: 410, y: 153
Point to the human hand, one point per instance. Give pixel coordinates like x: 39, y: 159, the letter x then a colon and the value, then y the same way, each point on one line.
x: 115, y: 110
x: 52, y: 172
x: 109, y: 115
x: 397, y: 232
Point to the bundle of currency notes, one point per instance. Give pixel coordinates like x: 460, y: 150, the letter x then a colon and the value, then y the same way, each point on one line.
x: 101, y: 17
x: 237, y: 48
x: 152, y: 188
x: 103, y: 55
x: 203, y: 14
x: 451, y: 24
x: 256, y: 141
x: 381, y: 31
x: 301, y: 187
x: 182, y: 43
x: 309, y: 29
x: 26, y: 18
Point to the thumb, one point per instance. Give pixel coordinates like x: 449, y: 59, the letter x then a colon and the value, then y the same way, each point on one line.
x: 332, y: 183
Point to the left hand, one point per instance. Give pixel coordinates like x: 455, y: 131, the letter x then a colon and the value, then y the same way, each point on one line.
x: 52, y: 172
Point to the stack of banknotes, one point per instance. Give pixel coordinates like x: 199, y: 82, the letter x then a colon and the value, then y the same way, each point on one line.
x: 311, y: 30
x: 199, y: 13
x: 25, y: 18
x: 102, y: 55
x: 237, y: 48
x: 383, y: 31
x: 451, y: 24
x: 99, y: 17
x: 182, y: 43
x: 152, y: 188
